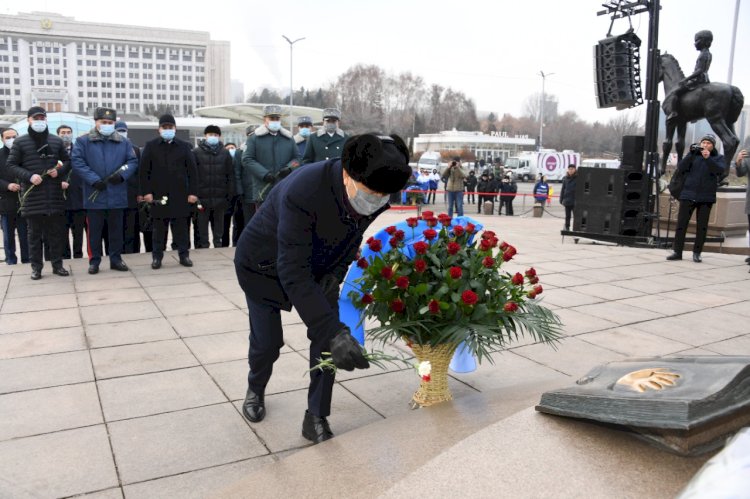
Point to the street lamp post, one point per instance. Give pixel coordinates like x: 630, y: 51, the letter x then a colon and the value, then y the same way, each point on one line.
x: 291, y: 81
x: 541, y: 108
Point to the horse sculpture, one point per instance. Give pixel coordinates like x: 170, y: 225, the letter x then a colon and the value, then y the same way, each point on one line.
x: 719, y: 103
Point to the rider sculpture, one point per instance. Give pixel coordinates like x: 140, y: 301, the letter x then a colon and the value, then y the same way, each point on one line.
x: 699, y: 77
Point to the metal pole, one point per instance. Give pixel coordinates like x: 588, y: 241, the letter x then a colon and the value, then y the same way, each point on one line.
x: 734, y: 39
x: 541, y: 108
x: 652, y: 109
x: 291, y: 80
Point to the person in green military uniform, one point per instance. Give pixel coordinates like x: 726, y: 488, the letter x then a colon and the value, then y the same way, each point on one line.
x: 328, y: 142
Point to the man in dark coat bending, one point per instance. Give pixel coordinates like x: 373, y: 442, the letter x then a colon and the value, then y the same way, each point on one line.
x: 295, y: 252
x: 169, y: 180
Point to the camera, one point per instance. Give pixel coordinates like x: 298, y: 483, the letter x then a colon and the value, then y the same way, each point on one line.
x: 695, y: 149
x: 453, y: 163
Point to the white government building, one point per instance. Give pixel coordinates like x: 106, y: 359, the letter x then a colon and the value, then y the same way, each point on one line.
x: 61, y: 64
x: 486, y: 146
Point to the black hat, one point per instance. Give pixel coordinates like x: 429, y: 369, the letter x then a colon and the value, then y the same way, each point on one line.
x: 105, y: 113
x: 456, y: 158
x: 379, y: 162
x: 212, y: 129
x: 167, y: 119
x: 34, y: 110
x: 709, y: 137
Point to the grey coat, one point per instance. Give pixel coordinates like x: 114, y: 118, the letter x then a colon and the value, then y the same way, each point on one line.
x: 743, y: 168
x: 264, y: 153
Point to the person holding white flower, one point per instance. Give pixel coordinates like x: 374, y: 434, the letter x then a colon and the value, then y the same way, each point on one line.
x: 104, y: 160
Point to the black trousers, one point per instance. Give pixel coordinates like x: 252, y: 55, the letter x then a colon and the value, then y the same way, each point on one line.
x: 96, y: 219
x: 703, y: 211
x: 51, y: 228
x: 507, y: 203
x: 131, y: 233
x: 180, y: 236
x: 266, y: 340
x: 234, y: 214
x: 568, y: 216
x: 216, y: 217
x: 470, y: 196
x: 75, y: 223
x: 431, y: 195
x: 248, y: 210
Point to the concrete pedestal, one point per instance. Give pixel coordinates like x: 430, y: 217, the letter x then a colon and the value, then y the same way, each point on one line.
x: 727, y: 215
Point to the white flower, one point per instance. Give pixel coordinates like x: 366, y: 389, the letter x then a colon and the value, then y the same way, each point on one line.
x: 424, y: 368
x: 123, y: 168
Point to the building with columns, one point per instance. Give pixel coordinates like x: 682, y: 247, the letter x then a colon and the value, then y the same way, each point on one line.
x: 59, y: 63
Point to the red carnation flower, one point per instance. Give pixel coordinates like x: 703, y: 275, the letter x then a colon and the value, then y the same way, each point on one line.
x: 387, y: 272
x: 489, y: 262
x: 517, y: 279
x: 531, y: 272
x: 434, y: 306
x: 456, y: 272
x: 367, y: 298
x: 427, y: 214
x: 402, y: 282
x: 510, y: 307
x: 362, y: 263
x: 470, y: 228
x: 398, y: 306
x: 421, y: 247
x: 534, y: 280
x: 453, y: 248
x: 420, y: 265
x: 399, y: 235
x: 485, y: 245
x: 375, y: 245
x: 458, y: 231
x: 390, y: 230
x: 412, y: 222
x: 431, y: 222
x: 469, y: 297
x: 538, y: 289
x: 430, y: 234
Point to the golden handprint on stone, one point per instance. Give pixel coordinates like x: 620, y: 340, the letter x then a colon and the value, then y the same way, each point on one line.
x: 657, y: 378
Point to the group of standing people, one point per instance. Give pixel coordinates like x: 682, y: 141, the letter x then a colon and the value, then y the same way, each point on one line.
x: 488, y: 188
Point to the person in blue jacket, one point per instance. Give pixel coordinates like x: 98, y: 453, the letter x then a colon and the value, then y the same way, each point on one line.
x: 541, y: 190
x: 296, y: 250
x: 104, y: 160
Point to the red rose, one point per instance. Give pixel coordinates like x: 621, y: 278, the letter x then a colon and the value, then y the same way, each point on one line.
x: 362, y: 263
x: 426, y: 378
x: 470, y: 228
x: 456, y: 272
x: 469, y: 297
x: 397, y: 306
x: 367, y: 298
x: 531, y: 294
x: 488, y: 234
x: 485, y: 245
x: 427, y: 214
x: 538, y: 289
x: 421, y: 247
x: 458, y: 231
x: 390, y: 230
x: 510, y: 307
x: 387, y: 272
x: 453, y: 248
x: 504, y: 246
x: 370, y: 239
x: 402, y: 282
x: 444, y: 219
x: 431, y: 222
x: 507, y: 256
x: 494, y: 241
x: 399, y: 235
x: 489, y: 262
x: 517, y: 279
x: 393, y: 242
x: 531, y: 272
x: 511, y: 250
x: 534, y: 280
x: 430, y: 234
x: 412, y: 222
x: 434, y: 306
x: 420, y: 265
x: 375, y: 245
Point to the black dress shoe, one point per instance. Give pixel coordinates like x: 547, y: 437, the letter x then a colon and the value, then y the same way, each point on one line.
x: 675, y: 256
x: 93, y: 269
x: 36, y: 275
x: 185, y: 261
x: 315, y: 428
x: 60, y: 271
x: 119, y: 266
x: 156, y: 264
x: 747, y: 260
x: 253, y: 408
x: 697, y: 258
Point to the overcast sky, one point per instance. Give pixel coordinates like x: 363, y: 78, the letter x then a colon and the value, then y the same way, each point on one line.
x: 490, y: 50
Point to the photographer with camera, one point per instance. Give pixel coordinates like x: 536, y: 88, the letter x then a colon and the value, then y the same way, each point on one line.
x: 702, y: 169
x: 455, y: 186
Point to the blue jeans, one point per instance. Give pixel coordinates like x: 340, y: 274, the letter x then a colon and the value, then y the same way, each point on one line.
x: 11, y: 223
x: 458, y: 198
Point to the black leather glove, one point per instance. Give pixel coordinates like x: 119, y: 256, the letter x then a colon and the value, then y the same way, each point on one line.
x: 346, y: 352
x: 284, y: 172
x: 269, y: 178
x: 116, y: 179
x: 330, y: 286
x: 99, y: 185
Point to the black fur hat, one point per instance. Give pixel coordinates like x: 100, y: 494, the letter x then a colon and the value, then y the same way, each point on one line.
x: 212, y: 129
x: 380, y: 162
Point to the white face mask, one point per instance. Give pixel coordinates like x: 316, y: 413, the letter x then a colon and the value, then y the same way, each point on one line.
x: 9, y: 142
x: 123, y: 133
x: 39, y: 125
x: 366, y: 203
x: 274, y: 126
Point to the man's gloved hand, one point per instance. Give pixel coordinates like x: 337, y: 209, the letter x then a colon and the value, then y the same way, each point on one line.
x: 99, y: 185
x: 284, y: 172
x: 269, y: 178
x: 330, y: 286
x: 346, y: 352
x: 116, y: 179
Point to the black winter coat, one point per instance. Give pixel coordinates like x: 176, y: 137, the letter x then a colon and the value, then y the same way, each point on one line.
x: 303, y: 231
x: 484, y: 187
x: 134, y: 182
x: 74, y: 193
x: 568, y: 190
x: 702, y: 179
x: 471, y: 182
x: 215, y: 175
x: 509, y: 190
x: 168, y: 169
x: 27, y: 159
x: 8, y: 199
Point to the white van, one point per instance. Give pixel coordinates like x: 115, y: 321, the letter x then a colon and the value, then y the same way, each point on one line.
x: 601, y: 163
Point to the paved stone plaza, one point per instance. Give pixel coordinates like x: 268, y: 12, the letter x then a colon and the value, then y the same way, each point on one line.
x: 129, y: 384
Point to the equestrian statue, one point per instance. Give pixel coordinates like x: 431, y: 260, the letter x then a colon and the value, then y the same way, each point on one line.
x: 691, y: 98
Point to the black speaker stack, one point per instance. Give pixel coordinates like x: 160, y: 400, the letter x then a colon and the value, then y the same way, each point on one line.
x: 617, y: 74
